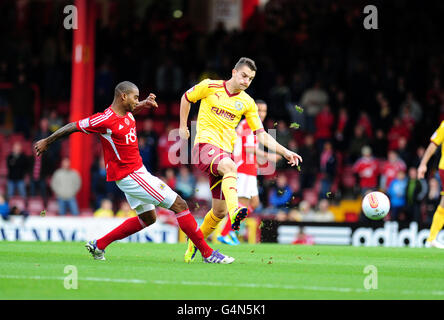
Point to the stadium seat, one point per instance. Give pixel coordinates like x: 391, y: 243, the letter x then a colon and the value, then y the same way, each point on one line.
x: 35, y: 205
x: 162, y: 110
x: 17, y: 201
x: 52, y: 207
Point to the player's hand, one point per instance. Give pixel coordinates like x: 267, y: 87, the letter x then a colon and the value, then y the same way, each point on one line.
x: 292, y: 157
x: 41, y: 146
x: 184, y: 133
x: 149, y: 102
x: 422, y: 169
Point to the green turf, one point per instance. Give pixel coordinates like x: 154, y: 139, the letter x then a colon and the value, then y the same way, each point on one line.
x: 35, y: 270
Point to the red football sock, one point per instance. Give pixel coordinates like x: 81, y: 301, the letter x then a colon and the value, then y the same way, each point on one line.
x: 189, y: 225
x: 227, y: 227
x: 127, y: 228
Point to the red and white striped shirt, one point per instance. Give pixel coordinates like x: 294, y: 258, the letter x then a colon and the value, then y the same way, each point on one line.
x: 119, y: 142
x: 246, y: 162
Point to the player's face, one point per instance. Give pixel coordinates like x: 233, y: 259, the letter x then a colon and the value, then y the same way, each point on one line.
x: 131, y: 100
x: 243, y: 77
x: 262, y: 110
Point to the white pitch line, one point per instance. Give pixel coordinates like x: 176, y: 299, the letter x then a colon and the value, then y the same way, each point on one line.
x: 223, y: 284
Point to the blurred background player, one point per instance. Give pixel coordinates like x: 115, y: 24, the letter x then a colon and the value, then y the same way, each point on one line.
x: 438, y: 218
x: 246, y: 150
x: 222, y: 105
x: 117, y: 129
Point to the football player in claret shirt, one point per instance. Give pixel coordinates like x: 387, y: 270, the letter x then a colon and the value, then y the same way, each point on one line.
x: 222, y: 104
x: 246, y: 152
x: 436, y: 140
x: 117, y: 130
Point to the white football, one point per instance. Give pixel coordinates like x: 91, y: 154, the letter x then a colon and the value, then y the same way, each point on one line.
x: 375, y: 205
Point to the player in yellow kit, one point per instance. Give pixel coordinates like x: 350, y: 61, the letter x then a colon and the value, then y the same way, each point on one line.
x: 436, y: 140
x: 222, y: 105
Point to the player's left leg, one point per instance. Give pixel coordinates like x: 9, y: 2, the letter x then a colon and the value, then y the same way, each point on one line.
x: 437, y: 224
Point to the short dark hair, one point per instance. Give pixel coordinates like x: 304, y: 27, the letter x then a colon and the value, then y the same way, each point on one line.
x: 246, y: 62
x: 124, y: 87
x: 260, y: 101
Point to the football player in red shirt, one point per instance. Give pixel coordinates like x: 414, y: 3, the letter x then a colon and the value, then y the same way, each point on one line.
x: 116, y: 127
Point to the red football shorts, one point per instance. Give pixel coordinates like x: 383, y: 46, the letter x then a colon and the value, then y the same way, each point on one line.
x: 207, y: 157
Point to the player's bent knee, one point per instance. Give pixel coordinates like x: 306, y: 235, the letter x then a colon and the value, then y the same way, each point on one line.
x: 226, y: 165
x: 179, y: 205
x: 148, y: 217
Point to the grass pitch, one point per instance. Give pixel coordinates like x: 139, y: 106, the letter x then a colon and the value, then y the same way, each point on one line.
x: 36, y: 270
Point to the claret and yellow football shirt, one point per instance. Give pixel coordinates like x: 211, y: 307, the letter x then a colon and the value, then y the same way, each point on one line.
x: 220, y: 112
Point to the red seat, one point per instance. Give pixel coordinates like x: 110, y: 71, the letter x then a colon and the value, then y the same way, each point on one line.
x: 175, y: 109
x: 35, y: 205
x: 52, y: 207
x: 17, y: 201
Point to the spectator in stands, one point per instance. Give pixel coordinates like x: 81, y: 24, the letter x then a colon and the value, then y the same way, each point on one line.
x: 50, y: 158
x: 367, y: 169
x: 125, y: 211
x: 397, y: 194
x: 357, y: 142
x: 327, y: 168
x: 150, y: 146
x: 432, y: 199
x: 413, y: 106
x: 390, y: 168
x: 281, y: 193
x: 185, y: 183
x: 170, y: 178
x: 99, y: 185
x: 323, y: 214
x: 4, y: 208
x: 18, y: 164
x: 105, y: 210
x: 404, y: 151
x: 55, y: 122
x: 22, y: 105
x: 364, y: 122
x: 203, y: 192
x: 384, y: 118
x: 312, y: 100
x: 280, y: 100
x: 415, y: 194
x: 310, y: 166
x: 167, y: 149
x: 324, y: 122
x: 399, y: 129
x: 65, y: 184
x: 379, y: 144
x: 340, y: 131
x: 303, y: 238
x: 39, y: 173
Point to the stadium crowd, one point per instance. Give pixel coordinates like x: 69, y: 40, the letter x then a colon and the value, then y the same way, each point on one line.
x: 370, y: 100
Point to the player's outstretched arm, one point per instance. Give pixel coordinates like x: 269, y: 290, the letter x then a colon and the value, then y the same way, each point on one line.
x: 43, y: 144
x: 185, y: 106
x: 149, y: 102
x: 430, y: 151
x: 268, y: 141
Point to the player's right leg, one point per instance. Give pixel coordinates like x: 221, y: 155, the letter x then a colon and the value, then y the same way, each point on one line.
x: 227, y: 169
x: 211, y: 220
x: 437, y: 224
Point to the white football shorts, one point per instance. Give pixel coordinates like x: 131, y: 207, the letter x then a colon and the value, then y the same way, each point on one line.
x: 144, y: 191
x: 246, y: 186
